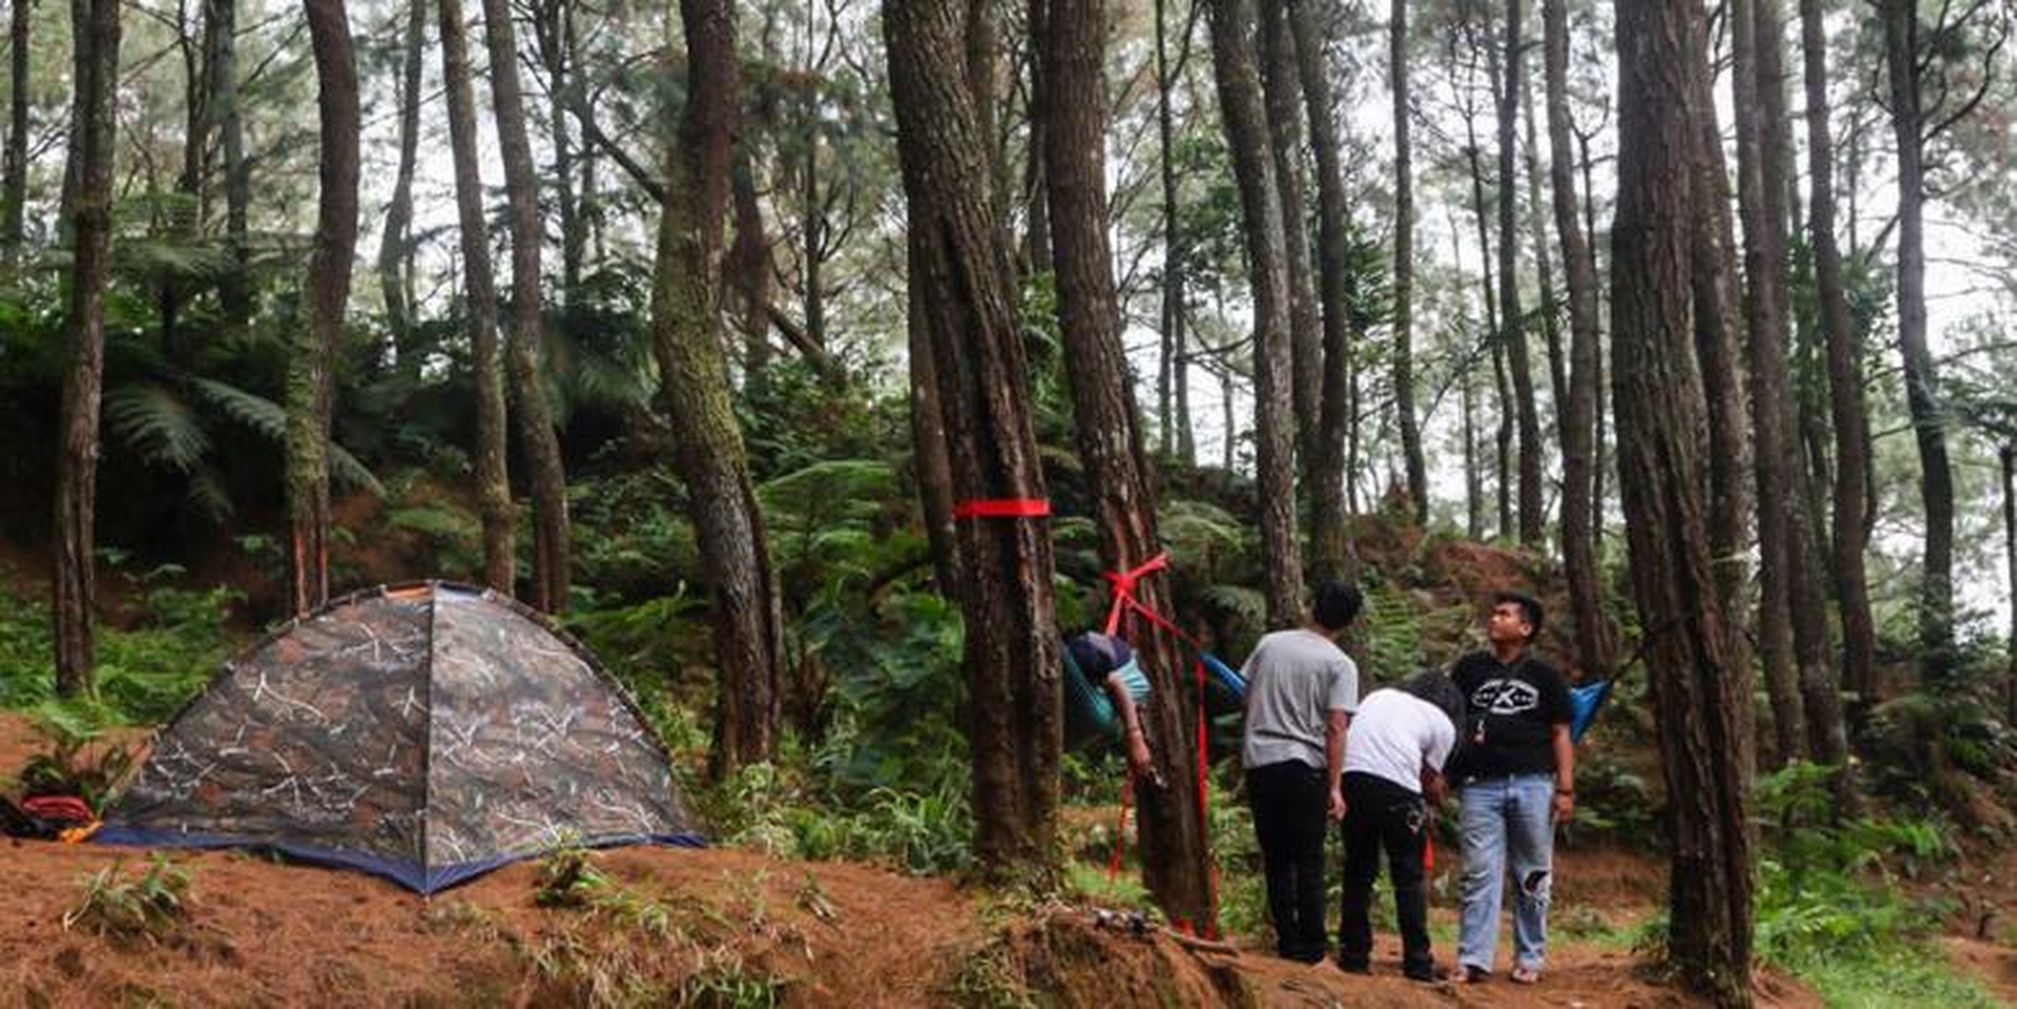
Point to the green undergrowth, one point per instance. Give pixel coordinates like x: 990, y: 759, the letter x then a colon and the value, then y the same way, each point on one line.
x: 1831, y: 908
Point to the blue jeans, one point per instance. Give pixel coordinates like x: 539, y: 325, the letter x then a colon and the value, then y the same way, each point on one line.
x: 1508, y: 824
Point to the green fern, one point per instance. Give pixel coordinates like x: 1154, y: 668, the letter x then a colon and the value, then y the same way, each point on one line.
x: 158, y: 425
x: 268, y: 419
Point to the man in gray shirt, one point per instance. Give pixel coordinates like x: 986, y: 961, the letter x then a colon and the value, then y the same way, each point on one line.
x: 1301, y: 691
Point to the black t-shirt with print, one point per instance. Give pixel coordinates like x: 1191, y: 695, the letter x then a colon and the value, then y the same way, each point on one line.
x: 1512, y: 711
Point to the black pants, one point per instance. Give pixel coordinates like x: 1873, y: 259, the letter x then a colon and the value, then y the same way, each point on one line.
x: 1380, y: 814
x: 1289, y: 799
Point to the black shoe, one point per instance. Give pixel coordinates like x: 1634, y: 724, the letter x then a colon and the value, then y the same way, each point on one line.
x: 1432, y: 974
x: 1354, y: 966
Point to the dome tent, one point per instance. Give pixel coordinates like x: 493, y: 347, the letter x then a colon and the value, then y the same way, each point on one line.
x: 427, y: 732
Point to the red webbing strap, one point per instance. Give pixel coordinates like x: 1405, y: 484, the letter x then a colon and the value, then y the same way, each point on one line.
x: 1428, y: 848
x: 1002, y: 508
x: 1204, y: 810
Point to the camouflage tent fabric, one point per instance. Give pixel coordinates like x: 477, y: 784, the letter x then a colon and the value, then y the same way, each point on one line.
x: 428, y: 733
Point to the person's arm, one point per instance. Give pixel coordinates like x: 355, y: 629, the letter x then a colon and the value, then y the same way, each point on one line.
x: 1139, y: 760
x: 1335, y: 727
x: 1565, y: 773
x: 1435, y: 787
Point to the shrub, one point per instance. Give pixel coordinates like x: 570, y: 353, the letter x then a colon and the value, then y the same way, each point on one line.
x: 150, y: 907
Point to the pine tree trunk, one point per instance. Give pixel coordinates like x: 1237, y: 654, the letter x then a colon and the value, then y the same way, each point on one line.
x: 493, y: 484
x: 928, y: 443
x: 14, y: 178
x: 311, y: 380
x: 1331, y: 545
x: 2007, y: 457
x: 1586, y: 599
x: 1280, y: 90
x: 1544, y: 265
x: 93, y: 128
x: 1771, y: 415
x: 1936, y: 479
x: 1176, y: 862
x: 540, y: 441
x: 1719, y: 343
x: 960, y: 265
x: 1173, y: 377
x: 686, y: 327
x: 1700, y: 696
x: 555, y: 34
x: 1845, y: 375
x: 234, y: 289
x: 749, y: 270
x: 1533, y: 517
x: 1404, y: 248
x: 396, y: 238
x: 1233, y: 29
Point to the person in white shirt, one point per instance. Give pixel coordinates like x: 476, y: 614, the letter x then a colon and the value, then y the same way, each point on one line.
x: 1394, y: 756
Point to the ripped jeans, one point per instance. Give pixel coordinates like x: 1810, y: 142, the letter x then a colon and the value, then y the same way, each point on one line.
x: 1508, y: 825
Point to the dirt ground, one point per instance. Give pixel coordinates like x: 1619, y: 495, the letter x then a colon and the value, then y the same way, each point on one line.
x: 260, y: 933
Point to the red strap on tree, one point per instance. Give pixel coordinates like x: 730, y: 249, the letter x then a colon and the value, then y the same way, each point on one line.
x: 1002, y: 508
x: 1121, y: 830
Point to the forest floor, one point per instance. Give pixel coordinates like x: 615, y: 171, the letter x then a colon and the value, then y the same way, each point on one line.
x: 730, y: 927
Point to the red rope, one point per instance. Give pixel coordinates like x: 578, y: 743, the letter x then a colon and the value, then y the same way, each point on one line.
x: 1121, y: 830
x: 1002, y: 508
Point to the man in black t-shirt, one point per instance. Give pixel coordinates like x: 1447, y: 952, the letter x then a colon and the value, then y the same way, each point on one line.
x: 1516, y: 767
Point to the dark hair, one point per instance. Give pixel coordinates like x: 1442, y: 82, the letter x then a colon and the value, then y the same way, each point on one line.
x: 1530, y: 609
x: 1436, y: 687
x: 1337, y: 603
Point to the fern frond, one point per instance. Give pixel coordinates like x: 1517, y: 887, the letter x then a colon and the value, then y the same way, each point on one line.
x: 269, y: 420
x: 155, y: 423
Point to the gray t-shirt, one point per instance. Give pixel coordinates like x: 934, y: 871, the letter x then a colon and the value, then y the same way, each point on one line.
x: 1295, y: 679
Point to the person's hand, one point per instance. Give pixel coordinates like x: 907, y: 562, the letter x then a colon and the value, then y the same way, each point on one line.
x: 1565, y: 806
x: 1139, y: 760
x: 1337, y: 803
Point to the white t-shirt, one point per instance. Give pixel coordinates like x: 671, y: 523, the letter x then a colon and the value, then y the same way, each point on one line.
x: 1295, y: 679
x: 1394, y: 734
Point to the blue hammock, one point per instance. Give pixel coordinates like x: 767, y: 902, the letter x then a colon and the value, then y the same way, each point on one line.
x: 1585, y: 701
x: 1090, y: 715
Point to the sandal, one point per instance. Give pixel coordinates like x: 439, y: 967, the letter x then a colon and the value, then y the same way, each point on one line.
x: 1525, y: 975
x: 1473, y: 974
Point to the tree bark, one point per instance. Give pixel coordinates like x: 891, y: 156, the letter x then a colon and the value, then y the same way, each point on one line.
x: 1586, y: 599
x: 234, y: 289
x: 1330, y: 541
x: 686, y: 325
x: 397, y: 238
x: 93, y: 129
x: 928, y: 444
x: 1280, y: 91
x: 493, y: 483
x: 1700, y: 696
x: 2007, y: 457
x: 749, y: 269
x: 1845, y: 375
x: 1176, y: 862
x: 1233, y: 26
x: 1548, y: 303
x: 1929, y: 424
x: 1719, y: 343
x: 1175, y: 434
x: 1015, y: 723
x: 1771, y: 416
x: 1404, y: 250
x: 539, y: 440
x: 14, y: 178
x: 1533, y: 518
x: 311, y: 379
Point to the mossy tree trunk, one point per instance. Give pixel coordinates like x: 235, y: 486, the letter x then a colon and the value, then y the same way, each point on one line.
x: 493, y: 483
x: 695, y: 391
x: 311, y: 379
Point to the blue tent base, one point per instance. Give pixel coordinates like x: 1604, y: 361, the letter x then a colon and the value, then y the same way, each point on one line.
x: 415, y: 876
